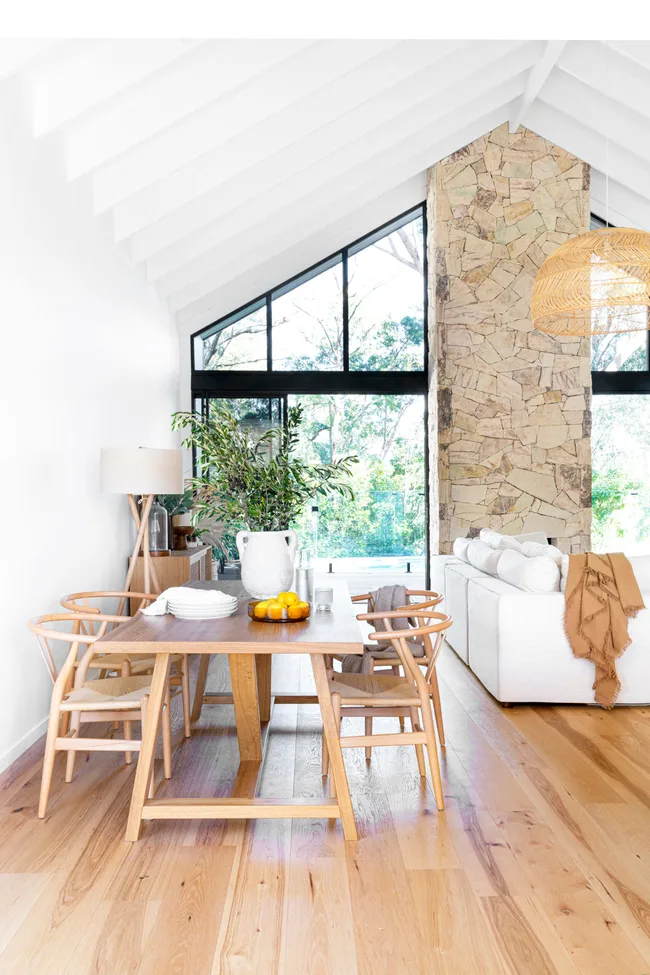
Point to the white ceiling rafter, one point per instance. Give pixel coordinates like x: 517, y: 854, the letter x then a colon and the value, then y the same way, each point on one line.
x: 252, y: 104
x: 385, y: 78
x: 609, y: 74
x: 228, y: 166
x: 217, y: 70
x: 620, y: 125
x: 214, y: 220
x: 16, y: 54
x: 538, y: 75
x: 64, y: 88
x: 309, y: 134
x: 588, y: 144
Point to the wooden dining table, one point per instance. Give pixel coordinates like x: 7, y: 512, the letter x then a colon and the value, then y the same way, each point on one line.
x: 249, y: 645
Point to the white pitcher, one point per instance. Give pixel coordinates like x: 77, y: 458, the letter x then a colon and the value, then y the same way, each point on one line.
x: 266, y: 561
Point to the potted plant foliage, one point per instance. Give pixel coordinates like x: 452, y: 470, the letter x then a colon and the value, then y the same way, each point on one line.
x: 259, y: 484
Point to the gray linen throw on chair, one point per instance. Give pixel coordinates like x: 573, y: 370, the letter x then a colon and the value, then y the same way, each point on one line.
x: 384, y: 599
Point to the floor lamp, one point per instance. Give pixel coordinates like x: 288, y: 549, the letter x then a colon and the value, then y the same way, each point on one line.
x: 141, y: 472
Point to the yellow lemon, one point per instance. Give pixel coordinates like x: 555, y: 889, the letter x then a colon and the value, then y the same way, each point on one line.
x: 275, y: 612
x: 288, y: 598
x: 295, y: 612
x: 304, y: 609
x: 261, y: 608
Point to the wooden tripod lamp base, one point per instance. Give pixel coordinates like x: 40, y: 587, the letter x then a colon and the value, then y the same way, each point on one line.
x: 141, y: 472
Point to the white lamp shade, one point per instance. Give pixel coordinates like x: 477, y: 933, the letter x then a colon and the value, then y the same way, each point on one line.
x: 141, y: 470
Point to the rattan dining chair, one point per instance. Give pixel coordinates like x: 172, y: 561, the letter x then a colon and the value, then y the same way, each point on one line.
x: 380, y: 659
x: 131, y: 664
x: 375, y: 694
x: 75, y: 698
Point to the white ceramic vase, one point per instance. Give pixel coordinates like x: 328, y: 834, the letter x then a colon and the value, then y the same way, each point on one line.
x: 266, y: 561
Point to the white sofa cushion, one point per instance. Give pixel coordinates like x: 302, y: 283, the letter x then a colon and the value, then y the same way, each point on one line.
x: 482, y: 557
x: 457, y: 577
x: 641, y: 568
x: 460, y: 548
x: 531, y: 549
x: 498, y: 541
x: 539, y: 574
x: 437, y: 580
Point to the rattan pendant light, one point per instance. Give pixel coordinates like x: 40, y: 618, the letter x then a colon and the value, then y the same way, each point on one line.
x: 597, y: 283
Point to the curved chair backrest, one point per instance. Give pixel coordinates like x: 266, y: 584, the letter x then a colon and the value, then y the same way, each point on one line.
x: 432, y: 633
x: 75, y: 636
x: 428, y: 598
x: 86, y: 602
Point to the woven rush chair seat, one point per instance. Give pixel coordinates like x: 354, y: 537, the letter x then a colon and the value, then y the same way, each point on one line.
x: 127, y: 664
x: 110, y: 693
x: 387, y: 688
x: 389, y: 654
x: 75, y: 699
x: 138, y: 662
x: 408, y: 696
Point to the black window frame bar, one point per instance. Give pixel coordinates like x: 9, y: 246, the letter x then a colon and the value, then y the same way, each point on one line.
x: 209, y: 384
x: 199, y: 378
x: 632, y: 383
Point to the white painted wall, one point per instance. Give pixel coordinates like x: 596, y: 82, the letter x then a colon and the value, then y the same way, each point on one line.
x: 89, y: 357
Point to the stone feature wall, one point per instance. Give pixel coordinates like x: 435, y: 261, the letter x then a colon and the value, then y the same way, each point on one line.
x: 510, y: 406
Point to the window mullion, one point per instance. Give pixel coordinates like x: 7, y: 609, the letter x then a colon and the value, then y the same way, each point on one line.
x: 269, y: 333
x: 346, y: 313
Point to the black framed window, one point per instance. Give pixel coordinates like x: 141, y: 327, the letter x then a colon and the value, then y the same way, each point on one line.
x: 620, y: 363
x: 355, y: 322
x: 620, y: 439
x: 346, y: 339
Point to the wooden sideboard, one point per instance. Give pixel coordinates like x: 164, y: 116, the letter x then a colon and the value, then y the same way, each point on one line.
x: 194, y: 565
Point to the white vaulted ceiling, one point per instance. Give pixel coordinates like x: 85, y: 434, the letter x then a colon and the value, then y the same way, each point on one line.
x: 228, y: 165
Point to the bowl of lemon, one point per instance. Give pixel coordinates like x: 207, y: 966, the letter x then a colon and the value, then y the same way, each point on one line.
x: 286, y: 607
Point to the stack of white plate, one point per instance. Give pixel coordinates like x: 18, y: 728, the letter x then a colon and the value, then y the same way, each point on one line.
x: 188, y: 608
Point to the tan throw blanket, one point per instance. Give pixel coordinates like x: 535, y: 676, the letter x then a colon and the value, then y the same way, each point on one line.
x: 601, y: 595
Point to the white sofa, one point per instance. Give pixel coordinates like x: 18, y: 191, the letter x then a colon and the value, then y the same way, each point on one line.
x: 514, y: 641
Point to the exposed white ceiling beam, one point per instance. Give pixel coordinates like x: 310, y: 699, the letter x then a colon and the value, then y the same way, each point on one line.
x: 315, y: 127
x: 264, y: 101
x: 589, y: 145
x: 619, y: 124
x: 16, y: 53
x: 93, y: 72
x: 638, y: 51
x: 193, y: 229
x: 538, y: 75
x: 610, y: 74
x: 388, y: 172
x: 218, y: 68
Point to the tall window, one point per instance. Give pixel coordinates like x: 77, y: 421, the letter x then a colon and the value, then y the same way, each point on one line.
x: 347, y: 340
x: 621, y: 439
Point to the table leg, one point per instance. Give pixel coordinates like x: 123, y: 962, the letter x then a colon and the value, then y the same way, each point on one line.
x: 243, y: 677
x: 331, y: 733
x: 199, y: 690
x: 263, y: 663
x: 148, y: 746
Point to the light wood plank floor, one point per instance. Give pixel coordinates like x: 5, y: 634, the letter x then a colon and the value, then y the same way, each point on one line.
x: 540, y: 864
